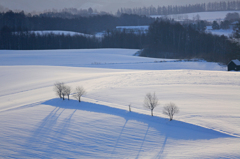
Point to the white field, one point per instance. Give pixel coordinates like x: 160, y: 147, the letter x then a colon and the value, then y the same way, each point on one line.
x: 35, y: 123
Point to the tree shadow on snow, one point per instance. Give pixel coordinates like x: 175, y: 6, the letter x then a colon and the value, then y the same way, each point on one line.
x: 49, y: 139
x: 172, y: 129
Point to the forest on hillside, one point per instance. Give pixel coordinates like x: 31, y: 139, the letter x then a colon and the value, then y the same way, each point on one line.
x: 92, y: 24
x: 165, y: 38
x: 172, y: 40
x: 232, y: 5
x: 191, y: 8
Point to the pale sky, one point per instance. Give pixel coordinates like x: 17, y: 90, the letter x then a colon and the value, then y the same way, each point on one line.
x: 100, y: 5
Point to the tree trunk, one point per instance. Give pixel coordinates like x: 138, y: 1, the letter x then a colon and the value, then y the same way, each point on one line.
x: 152, y: 112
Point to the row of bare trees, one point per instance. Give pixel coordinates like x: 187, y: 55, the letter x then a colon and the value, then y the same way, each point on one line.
x: 63, y: 90
x: 151, y: 101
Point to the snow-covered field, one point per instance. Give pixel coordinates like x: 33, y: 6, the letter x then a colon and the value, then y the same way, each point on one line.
x: 35, y: 123
x: 208, y: 16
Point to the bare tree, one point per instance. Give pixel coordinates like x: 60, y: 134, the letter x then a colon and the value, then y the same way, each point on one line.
x: 58, y: 88
x: 150, y: 101
x: 80, y: 91
x: 170, y: 109
x: 67, y: 91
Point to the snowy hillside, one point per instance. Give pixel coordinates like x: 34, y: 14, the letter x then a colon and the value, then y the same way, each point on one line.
x: 60, y: 32
x: 100, y: 58
x: 35, y: 123
x: 208, y: 16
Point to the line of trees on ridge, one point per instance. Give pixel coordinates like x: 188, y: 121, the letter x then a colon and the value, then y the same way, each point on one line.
x: 150, y: 100
x: 191, y: 8
x: 70, y: 13
x: 88, y: 25
x: 63, y: 90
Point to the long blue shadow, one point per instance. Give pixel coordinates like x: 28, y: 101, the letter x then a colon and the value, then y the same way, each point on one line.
x: 174, y: 129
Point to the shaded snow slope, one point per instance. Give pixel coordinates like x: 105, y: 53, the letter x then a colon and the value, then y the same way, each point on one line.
x: 71, y: 130
x: 36, y: 124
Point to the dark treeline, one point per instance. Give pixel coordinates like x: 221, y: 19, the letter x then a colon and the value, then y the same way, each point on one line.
x: 69, y: 13
x: 24, y: 40
x: 91, y: 24
x: 191, y: 8
x: 172, y: 40
x: 165, y: 38
x: 229, y: 21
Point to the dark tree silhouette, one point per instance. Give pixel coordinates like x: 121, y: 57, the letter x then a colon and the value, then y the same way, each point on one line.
x: 215, y: 25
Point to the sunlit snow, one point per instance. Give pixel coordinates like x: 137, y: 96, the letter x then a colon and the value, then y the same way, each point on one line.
x: 35, y: 123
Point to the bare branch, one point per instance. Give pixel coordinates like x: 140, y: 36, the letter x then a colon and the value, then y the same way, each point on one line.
x: 150, y: 101
x: 67, y: 91
x: 170, y: 109
x: 58, y: 88
x: 80, y: 91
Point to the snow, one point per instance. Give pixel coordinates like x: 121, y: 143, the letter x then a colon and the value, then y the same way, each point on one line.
x: 134, y: 29
x: 220, y: 32
x: 103, y: 58
x: 237, y: 62
x: 70, y: 33
x: 208, y: 16
x: 144, y: 27
x: 60, y: 32
x: 37, y: 124
x: 100, y: 34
